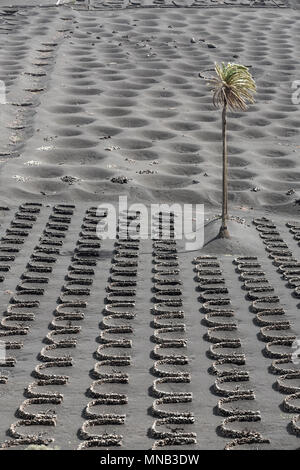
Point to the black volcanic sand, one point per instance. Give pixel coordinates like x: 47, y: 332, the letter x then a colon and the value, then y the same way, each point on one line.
x: 97, y: 95
x: 104, y: 94
x: 245, y: 241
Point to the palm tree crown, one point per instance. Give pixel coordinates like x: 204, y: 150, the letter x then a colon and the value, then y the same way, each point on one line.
x: 232, y: 86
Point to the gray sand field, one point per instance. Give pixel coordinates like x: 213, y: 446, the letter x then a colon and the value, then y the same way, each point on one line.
x: 135, y: 345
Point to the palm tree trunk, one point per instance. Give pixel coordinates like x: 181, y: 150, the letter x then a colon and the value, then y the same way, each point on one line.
x: 223, y: 233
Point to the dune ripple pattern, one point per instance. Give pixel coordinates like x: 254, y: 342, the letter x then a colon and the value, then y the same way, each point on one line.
x: 275, y: 329
x: 36, y: 276
x: 107, y: 373
x: 104, y: 411
x: 231, y: 377
x: 16, y: 234
x: 173, y: 420
x: 129, y: 112
x: 119, y: 4
x: 30, y: 42
x: 60, y: 338
x: 282, y: 256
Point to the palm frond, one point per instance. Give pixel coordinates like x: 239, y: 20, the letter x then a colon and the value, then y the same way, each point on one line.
x: 233, y: 85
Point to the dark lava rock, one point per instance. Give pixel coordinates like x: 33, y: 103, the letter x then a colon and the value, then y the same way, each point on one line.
x: 69, y: 179
x: 119, y: 179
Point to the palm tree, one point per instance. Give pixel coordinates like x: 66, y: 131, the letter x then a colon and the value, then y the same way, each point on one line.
x: 232, y: 89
